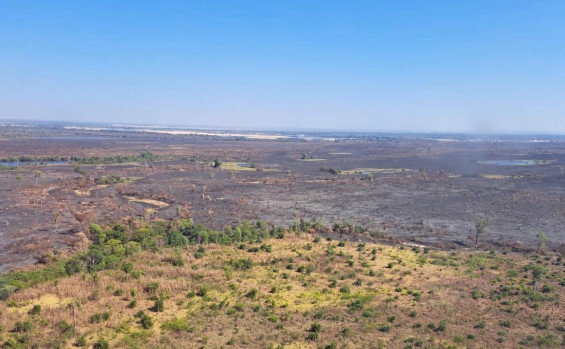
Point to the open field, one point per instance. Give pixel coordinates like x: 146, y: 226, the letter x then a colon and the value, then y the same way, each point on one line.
x: 419, y: 189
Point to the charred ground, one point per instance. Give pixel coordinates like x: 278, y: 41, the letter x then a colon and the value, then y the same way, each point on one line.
x: 409, y: 188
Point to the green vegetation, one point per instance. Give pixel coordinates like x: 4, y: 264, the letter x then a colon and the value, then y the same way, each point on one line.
x: 116, y: 159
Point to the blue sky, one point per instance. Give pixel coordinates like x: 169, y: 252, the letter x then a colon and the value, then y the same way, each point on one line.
x: 471, y: 66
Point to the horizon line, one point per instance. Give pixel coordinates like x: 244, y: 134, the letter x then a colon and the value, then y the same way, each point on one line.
x: 276, y: 129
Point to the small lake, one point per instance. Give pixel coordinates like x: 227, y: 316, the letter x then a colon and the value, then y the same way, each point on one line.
x: 18, y: 163
x: 511, y: 162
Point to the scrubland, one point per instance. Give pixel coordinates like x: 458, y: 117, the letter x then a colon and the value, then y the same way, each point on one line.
x: 176, y: 284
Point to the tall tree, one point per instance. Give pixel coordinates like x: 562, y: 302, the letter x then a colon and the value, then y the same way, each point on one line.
x: 481, y: 228
x: 37, y: 174
x: 538, y: 271
x: 542, y: 240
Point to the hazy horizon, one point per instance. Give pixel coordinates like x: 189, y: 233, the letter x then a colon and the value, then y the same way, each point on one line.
x: 439, y: 66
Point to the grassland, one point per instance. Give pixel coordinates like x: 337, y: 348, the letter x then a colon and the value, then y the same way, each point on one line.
x: 294, y: 291
x: 238, y: 166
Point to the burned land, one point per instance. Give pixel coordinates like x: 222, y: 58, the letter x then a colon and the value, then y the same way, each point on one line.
x: 413, y: 189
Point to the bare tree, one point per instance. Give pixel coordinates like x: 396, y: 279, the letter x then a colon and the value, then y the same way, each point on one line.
x: 56, y: 216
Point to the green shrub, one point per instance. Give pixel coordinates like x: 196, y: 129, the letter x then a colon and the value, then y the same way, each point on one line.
x: 177, y: 260
x: 384, y: 328
x: 332, y: 345
x: 152, y: 287
x: 99, y: 317
x: 539, y: 322
x: 23, y: 327
x: 81, y: 341
x: 200, y: 252
x: 355, y: 305
x: 177, y: 325
x: 242, y: 264
x: 145, y: 321
x: 202, y: 291
x: 127, y: 267
x: 36, y: 310
x: 6, y: 291
x: 101, y: 344
x: 313, y: 336
x: 441, y: 327
x: 159, y: 305
x: 505, y: 323
x: 315, y: 327
x: 252, y: 293
x: 176, y: 239
x: 74, y: 265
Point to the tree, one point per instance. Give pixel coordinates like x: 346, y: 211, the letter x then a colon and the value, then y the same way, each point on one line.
x: 542, y: 240
x: 538, y: 271
x: 481, y: 228
x: 20, y: 179
x: 94, y: 260
x: 217, y: 163
x: 73, y: 306
x: 37, y: 174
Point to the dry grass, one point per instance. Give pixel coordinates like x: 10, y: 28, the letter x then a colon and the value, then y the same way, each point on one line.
x: 88, y: 191
x: 156, y: 203
x: 436, y: 286
x: 237, y: 166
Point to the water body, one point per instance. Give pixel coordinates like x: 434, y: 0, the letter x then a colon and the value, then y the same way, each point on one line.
x: 20, y: 163
x: 510, y: 162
